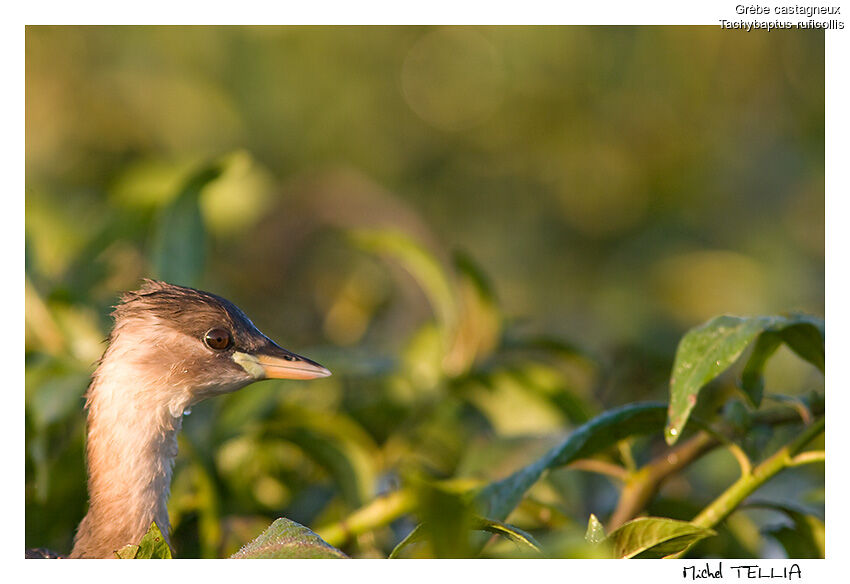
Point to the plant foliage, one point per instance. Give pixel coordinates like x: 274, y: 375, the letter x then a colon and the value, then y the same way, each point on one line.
x: 287, y: 539
x: 450, y: 428
x: 152, y: 547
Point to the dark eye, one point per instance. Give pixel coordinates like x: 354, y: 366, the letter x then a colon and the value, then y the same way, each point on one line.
x: 218, y: 339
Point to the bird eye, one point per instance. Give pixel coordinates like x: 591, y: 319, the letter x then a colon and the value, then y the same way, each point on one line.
x: 217, y: 339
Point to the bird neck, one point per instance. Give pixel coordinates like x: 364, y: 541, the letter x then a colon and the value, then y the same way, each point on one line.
x: 130, y: 450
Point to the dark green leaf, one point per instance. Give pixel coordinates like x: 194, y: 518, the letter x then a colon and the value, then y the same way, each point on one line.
x: 655, y: 537
x: 801, y: 541
x: 447, y: 517
x: 349, y: 469
x: 335, y: 442
x: 511, y: 532
x: 737, y: 416
x: 752, y: 378
x: 807, y: 537
x: 179, y: 245
x: 709, y: 349
x: 756, y: 440
x: 498, y: 499
x: 807, y: 340
x: 285, y: 539
x: 548, y: 345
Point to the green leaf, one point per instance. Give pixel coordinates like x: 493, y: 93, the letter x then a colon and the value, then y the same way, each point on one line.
x: 417, y: 534
x: 128, y: 552
x: 479, y: 322
x: 515, y: 534
x: 447, y: 519
x: 179, y: 245
x: 736, y: 414
x: 421, y: 264
x: 595, y: 531
x: 335, y: 442
x: 548, y: 345
x: 656, y: 537
x: 447, y: 516
x: 498, y: 499
x: 807, y: 537
x: 803, y: 541
x: 285, y: 539
x: 349, y: 465
x: 704, y: 353
x: 511, y: 532
x: 807, y: 340
x: 709, y: 349
x: 752, y: 378
x: 152, y: 547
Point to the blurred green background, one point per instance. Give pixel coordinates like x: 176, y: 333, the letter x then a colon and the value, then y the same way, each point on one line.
x: 546, y: 211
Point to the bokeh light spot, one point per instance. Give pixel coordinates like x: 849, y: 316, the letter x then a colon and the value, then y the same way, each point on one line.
x: 453, y: 78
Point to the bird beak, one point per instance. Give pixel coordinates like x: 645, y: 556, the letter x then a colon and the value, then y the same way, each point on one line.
x: 273, y: 362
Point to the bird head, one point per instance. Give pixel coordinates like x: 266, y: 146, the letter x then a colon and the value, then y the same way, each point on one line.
x: 185, y: 345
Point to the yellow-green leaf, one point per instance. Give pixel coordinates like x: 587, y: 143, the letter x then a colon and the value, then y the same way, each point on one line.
x: 128, y: 552
x: 656, y: 537
x: 152, y: 547
x: 709, y: 349
x: 513, y: 533
x: 285, y: 539
x: 595, y: 531
x: 421, y: 264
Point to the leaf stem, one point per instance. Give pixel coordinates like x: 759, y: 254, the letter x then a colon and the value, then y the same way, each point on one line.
x: 642, y: 485
x: 718, y: 510
x: 808, y: 458
x: 610, y: 469
x: 742, y: 458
